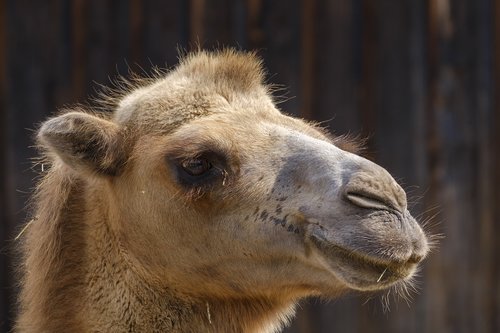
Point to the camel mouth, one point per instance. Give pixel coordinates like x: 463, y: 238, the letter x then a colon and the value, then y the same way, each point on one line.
x: 363, y: 271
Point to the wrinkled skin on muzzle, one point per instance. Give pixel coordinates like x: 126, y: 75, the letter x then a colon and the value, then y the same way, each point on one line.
x: 330, y: 210
x: 356, y: 216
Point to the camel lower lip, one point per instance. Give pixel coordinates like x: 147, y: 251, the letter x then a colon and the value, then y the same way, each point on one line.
x: 360, y: 271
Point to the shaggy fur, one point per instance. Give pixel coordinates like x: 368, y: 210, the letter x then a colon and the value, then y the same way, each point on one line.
x: 124, y: 240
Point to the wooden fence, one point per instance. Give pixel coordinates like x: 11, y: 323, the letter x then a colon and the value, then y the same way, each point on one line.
x: 420, y: 78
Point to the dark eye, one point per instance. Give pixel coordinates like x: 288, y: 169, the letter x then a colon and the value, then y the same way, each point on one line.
x: 196, y: 166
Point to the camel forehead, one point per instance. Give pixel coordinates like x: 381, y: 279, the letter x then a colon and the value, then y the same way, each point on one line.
x: 203, y: 83
x: 246, y: 135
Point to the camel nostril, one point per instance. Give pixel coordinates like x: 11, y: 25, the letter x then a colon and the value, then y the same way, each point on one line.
x: 367, y: 200
x: 374, y: 188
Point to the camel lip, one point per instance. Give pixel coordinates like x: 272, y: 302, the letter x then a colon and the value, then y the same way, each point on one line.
x: 362, y: 271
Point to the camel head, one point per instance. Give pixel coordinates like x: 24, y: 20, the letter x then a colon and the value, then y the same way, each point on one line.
x: 211, y: 191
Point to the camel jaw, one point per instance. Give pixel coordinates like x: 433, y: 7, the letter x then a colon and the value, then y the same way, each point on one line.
x: 365, y: 269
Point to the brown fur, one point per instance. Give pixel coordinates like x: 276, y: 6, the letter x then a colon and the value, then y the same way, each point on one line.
x: 119, y: 244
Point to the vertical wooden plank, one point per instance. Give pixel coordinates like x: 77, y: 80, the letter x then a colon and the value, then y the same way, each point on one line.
x: 107, y: 42
x: 367, y: 84
x: 29, y: 84
x: 240, y: 24
x: 416, y: 178
x: 98, y: 53
x: 78, y: 50
x: 434, y: 316
x: 276, y: 34
x: 495, y: 166
x: 37, y: 78
x: 308, y: 56
x: 337, y: 71
x: 255, y: 32
x: 136, y: 17
x: 196, y: 20
x: 218, y: 23
x: 392, y: 89
x: 6, y: 311
x: 58, y: 88
x: 460, y: 182
x: 458, y: 108
x: 29, y: 78
x: 120, y: 39
x: 165, y: 28
x: 483, y: 311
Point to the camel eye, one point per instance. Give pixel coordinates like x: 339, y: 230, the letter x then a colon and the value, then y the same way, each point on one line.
x: 196, y: 166
x: 206, y: 168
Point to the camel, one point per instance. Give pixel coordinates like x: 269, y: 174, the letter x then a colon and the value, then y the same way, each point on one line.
x: 197, y: 206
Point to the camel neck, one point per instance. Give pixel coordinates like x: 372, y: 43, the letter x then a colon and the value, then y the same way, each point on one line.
x: 54, y: 257
x: 137, y: 303
x: 77, y: 278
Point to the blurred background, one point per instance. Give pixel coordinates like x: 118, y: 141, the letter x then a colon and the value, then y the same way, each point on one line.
x: 419, y: 78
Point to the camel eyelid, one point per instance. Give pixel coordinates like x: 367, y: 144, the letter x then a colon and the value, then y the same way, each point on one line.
x: 216, y: 169
x: 196, y: 166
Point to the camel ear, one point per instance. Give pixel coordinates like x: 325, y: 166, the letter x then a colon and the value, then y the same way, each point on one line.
x: 84, y: 142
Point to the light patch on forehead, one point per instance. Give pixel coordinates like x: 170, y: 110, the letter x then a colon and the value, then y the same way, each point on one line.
x: 128, y: 105
x: 139, y: 96
x: 166, y: 105
x: 302, y: 141
x: 305, y: 151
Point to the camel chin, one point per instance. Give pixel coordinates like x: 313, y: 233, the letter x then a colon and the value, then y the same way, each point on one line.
x: 371, y: 268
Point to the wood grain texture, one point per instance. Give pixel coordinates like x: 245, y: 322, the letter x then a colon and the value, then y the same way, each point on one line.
x: 5, y: 225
